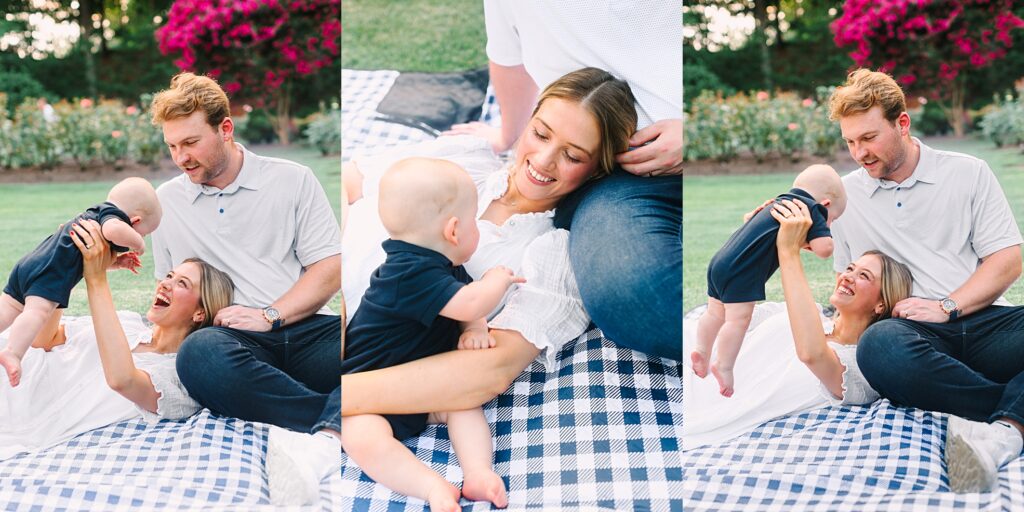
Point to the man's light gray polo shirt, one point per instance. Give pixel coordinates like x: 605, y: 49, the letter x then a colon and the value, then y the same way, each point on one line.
x: 941, y: 221
x: 262, y: 229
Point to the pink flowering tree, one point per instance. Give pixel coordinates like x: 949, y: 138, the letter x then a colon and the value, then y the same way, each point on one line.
x: 256, y: 49
x: 929, y: 46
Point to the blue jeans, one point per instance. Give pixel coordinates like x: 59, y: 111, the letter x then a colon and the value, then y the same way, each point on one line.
x: 626, y: 249
x: 289, y: 377
x: 972, y: 367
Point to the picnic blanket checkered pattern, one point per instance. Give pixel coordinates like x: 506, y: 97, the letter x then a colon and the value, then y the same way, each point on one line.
x: 203, y: 462
x: 837, y: 459
x: 601, y: 431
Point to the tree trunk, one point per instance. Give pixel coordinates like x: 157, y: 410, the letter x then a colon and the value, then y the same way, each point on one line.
x: 282, y: 107
x: 86, y: 8
x: 959, y: 118
x: 955, y: 112
x: 760, y: 31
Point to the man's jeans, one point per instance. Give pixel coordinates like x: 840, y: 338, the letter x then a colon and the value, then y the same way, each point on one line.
x: 289, y: 377
x: 626, y: 250
x: 972, y: 367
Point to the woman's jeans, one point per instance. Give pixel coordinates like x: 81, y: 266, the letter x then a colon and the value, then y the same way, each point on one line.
x: 289, y: 377
x: 626, y: 249
x: 972, y: 367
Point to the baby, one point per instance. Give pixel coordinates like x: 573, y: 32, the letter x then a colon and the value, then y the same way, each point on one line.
x: 42, y: 280
x: 738, y: 271
x: 421, y: 302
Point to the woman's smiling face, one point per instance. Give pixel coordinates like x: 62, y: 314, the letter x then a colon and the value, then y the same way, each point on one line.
x: 177, y: 297
x: 557, y: 153
x: 859, y: 287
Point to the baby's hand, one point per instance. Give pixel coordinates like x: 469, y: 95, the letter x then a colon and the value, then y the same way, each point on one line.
x: 128, y: 260
x: 472, y: 339
x: 504, y: 275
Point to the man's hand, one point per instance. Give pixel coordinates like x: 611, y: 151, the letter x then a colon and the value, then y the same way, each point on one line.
x: 128, y: 261
x: 920, y: 310
x: 483, y: 130
x: 473, y: 339
x: 662, y: 156
x: 242, y: 318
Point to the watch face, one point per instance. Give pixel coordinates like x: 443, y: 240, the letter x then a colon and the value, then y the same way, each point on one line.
x: 272, y: 314
x: 948, y: 305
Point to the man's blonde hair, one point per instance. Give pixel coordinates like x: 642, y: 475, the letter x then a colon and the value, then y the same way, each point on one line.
x: 863, y: 90
x: 190, y: 93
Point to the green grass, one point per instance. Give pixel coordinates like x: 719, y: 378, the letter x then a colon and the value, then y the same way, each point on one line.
x: 713, y: 207
x: 29, y: 212
x: 413, y: 35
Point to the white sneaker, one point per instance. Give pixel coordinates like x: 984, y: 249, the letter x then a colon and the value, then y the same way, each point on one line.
x: 975, y: 451
x: 297, y: 462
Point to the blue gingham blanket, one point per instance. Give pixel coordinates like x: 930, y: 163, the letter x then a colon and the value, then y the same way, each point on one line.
x: 205, y: 461
x: 599, y: 432
x: 843, y: 458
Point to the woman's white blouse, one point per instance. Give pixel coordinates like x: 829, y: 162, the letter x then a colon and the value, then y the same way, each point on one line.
x: 508, y: 244
x: 856, y: 390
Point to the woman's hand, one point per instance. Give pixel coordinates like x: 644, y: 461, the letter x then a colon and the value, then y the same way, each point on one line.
x: 96, y: 253
x: 484, y: 131
x: 794, y: 223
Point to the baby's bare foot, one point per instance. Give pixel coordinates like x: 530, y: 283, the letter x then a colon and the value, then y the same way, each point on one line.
x: 444, y: 498
x: 724, y: 377
x: 11, y: 364
x: 485, y: 486
x: 699, y: 362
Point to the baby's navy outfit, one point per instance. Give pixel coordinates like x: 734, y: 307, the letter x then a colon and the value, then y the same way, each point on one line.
x: 739, y: 270
x: 54, y: 267
x: 399, y: 318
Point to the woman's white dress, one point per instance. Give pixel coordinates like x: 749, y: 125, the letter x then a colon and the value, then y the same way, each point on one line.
x: 770, y: 382
x: 546, y: 309
x: 64, y: 393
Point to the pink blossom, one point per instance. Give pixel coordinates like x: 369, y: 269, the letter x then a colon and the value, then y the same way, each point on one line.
x: 131, y: 110
x: 85, y: 103
x: 762, y: 95
x: 807, y: 102
x: 792, y: 126
x: 116, y: 134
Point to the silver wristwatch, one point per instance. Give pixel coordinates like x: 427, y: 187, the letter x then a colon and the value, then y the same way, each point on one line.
x: 273, y: 316
x: 949, y: 306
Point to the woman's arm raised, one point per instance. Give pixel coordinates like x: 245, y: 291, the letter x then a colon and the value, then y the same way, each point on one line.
x: 456, y: 380
x: 115, y: 354
x: 804, y: 320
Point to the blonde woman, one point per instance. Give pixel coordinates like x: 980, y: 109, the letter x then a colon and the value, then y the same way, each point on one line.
x: 818, y: 364
x: 110, y: 366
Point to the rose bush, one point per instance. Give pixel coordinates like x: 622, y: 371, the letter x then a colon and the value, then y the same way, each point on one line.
x: 88, y: 134
x: 784, y: 126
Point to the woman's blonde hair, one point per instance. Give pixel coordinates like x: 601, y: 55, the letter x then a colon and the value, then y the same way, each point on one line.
x: 605, y: 97
x: 190, y: 93
x: 863, y: 90
x: 896, y: 282
x: 216, y: 291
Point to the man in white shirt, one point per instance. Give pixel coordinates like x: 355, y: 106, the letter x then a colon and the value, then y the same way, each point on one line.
x: 956, y: 345
x: 275, y: 355
x: 626, y: 240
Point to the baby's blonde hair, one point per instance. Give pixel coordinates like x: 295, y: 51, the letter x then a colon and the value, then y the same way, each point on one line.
x: 137, y: 197
x: 823, y: 182
x: 417, y: 193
